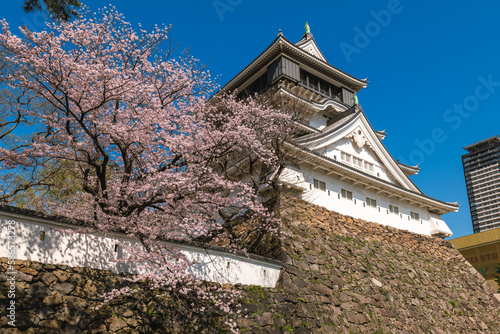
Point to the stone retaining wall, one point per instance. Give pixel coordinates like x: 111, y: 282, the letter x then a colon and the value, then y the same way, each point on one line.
x: 342, y: 275
x: 346, y: 275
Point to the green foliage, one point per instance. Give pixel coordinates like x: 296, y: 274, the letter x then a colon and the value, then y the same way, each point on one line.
x: 58, y: 183
x: 254, y: 294
x: 60, y: 10
x: 260, y: 312
x: 453, y: 303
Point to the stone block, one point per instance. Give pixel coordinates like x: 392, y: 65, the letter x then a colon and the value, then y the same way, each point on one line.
x: 47, y: 278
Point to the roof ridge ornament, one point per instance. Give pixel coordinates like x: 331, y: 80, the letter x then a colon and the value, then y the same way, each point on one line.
x: 355, y: 99
x: 307, y: 29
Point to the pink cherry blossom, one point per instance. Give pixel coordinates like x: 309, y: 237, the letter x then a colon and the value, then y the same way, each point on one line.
x: 149, y: 153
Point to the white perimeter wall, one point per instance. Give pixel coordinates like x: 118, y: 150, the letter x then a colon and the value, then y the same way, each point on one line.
x: 96, y: 251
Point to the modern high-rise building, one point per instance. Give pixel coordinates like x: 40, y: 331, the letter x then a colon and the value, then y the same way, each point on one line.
x: 482, y: 177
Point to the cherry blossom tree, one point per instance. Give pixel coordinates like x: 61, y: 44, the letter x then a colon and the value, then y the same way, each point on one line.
x: 133, y: 128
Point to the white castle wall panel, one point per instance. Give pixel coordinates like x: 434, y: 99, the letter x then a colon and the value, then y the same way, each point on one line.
x: 97, y: 251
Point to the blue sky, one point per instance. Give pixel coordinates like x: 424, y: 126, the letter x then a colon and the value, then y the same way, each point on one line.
x: 433, y: 68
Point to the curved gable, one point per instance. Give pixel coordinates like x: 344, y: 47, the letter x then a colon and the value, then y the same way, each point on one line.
x: 355, y: 137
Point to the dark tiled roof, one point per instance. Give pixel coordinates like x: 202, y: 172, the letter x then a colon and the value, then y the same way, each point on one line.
x: 335, y: 123
x: 408, y: 166
x: 483, y: 144
x: 294, y: 47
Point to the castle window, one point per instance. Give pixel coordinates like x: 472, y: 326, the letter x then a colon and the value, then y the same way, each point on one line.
x: 393, y: 209
x: 259, y: 85
x: 357, y: 162
x: 371, y: 202
x: 414, y: 215
x: 346, y: 194
x: 303, y: 77
x: 313, y: 82
x: 346, y: 157
x: 319, y: 185
x: 318, y: 85
x: 324, y: 87
x: 369, y: 166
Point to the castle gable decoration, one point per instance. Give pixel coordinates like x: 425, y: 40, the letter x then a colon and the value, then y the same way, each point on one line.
x: 358, y: 138
x: 308, y: 44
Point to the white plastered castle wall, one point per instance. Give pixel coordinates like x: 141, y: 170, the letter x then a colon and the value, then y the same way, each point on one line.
x: 97, y: 251
x: 332, y: 199
x: 319, y: 121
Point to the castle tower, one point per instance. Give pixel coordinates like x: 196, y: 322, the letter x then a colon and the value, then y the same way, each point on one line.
x: 343, y: 164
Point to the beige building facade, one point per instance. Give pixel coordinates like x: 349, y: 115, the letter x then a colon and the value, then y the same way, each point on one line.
x: 482, y: 250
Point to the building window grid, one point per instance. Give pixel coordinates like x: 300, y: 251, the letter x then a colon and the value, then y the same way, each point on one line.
x: 481, y: 177
x: 484, y: 201
x: 483, y: 192
x: 490, y: 215
x: 481, y: 171
x: 489, y: 220
x: 490, y: 225
x: 480, y: 156
x: 485, y: 196
x: 487, y: 162
x: 484, y: 182
x: 482, y: 160
x: 493, y: 206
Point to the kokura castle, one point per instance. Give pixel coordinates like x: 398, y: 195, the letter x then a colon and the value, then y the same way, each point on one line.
x: 343, y: 164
